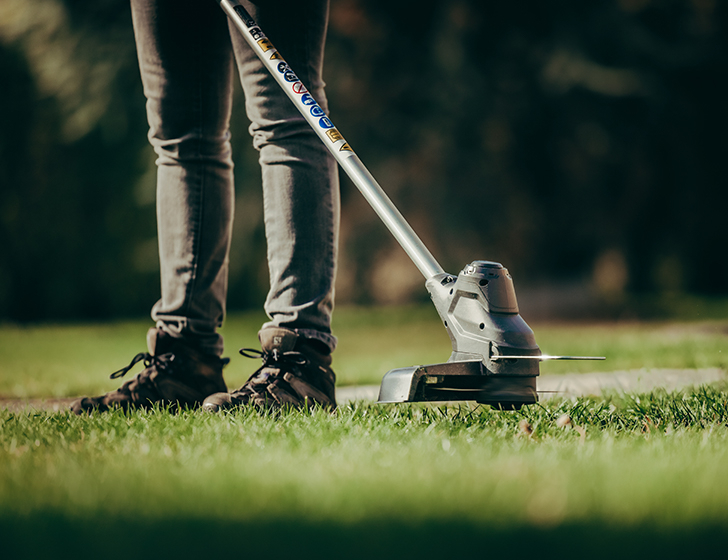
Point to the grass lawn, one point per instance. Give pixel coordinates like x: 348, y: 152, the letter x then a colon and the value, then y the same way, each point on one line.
x: 636, y: 476
x: 70, y: 360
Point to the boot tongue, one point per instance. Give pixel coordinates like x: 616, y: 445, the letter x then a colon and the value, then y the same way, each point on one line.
x: 286, y: 340
x: 159, y: 342
x: 152, y: 338
x: 277, y: 338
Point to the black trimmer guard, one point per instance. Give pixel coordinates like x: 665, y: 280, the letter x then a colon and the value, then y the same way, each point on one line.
x: 456, y: 381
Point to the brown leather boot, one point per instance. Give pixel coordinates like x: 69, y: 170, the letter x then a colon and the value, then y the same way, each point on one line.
x: 174, y: 374
x: 295, y: 373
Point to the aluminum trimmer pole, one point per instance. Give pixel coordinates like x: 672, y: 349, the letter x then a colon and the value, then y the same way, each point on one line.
x: 495, y: 358
x: 332, y: 139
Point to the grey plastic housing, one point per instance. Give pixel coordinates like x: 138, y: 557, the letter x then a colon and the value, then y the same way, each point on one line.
x: 480, y: 312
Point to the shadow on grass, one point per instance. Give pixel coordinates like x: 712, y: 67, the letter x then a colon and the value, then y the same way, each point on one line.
x: 46, y: 536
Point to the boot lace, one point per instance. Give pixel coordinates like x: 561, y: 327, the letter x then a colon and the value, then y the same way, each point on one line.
x: 274, y: 359
x: 161, y: 363
x: 265, y: 386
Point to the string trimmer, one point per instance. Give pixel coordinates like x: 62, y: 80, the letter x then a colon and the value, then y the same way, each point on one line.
x: 495, y: 358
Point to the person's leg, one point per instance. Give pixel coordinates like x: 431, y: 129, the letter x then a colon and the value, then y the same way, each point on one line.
x: 185, y: 59
x: 300, y: 177
x: 301, y: 206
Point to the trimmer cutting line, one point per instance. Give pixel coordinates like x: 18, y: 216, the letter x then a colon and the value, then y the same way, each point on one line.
x: 495, y: 358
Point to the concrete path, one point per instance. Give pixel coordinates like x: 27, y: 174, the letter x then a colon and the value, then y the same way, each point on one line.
x: 549, y: 386
x: 641, y: 380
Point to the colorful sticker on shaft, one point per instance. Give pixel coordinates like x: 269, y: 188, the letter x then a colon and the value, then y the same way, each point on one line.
x: 345, y: 150
x: 307, y: 99
x: 256, y: 33
x: 325, y: 123
x: 265, y: 44
x: 317, y: 111
x: 276, y: 56
x: 334, y: 135
x: 299, y: 88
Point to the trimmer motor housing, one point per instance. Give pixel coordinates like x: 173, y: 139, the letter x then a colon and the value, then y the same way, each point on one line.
x: 480, y: 313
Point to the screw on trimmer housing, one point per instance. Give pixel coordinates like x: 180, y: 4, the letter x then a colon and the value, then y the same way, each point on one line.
x: 495, y: 358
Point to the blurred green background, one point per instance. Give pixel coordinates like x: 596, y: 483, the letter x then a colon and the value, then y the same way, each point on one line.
x: 582, y: 144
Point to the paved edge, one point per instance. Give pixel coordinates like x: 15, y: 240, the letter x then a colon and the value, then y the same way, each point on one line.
x: 642, y: 380
x: 49, y: 404
x: 549, y: 386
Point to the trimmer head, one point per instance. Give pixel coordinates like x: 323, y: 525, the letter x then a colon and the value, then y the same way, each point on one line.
x: 480, y: 313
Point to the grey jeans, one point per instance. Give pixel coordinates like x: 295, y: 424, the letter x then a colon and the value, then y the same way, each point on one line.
x: 186, y: 59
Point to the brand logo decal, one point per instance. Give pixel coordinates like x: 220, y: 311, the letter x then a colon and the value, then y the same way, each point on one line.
x: 334, y: 135
x: 265, y: 44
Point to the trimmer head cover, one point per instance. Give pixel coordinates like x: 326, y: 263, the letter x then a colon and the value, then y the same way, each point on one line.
x: 480, y: 313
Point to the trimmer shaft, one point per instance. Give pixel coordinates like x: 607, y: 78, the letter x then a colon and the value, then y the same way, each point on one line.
x: 494, y: 355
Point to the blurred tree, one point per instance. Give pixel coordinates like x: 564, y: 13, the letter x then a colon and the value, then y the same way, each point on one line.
x: 70, y: 153
x: 543, y: 135
x: 568, y: 140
